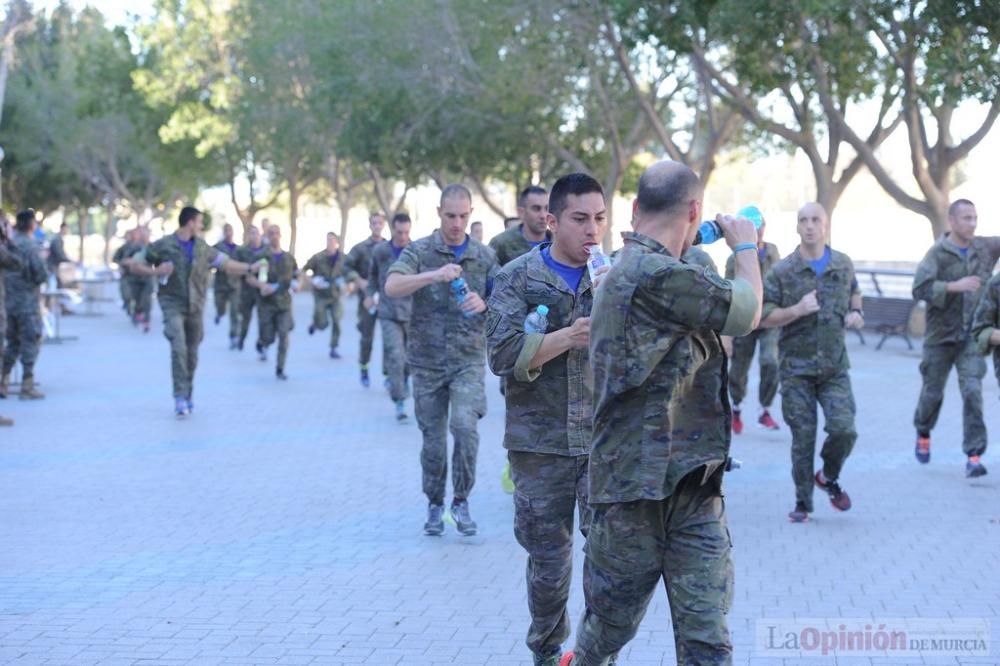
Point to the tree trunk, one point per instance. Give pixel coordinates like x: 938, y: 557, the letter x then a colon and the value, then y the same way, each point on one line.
x: 344, y: 204
x: 83, y: 222
x: 293, y: 212
x: 109, y: 230
x: 611, y: 185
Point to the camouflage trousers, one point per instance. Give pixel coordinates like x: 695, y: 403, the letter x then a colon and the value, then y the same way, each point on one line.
x: 934, y: 368
x: 24, y: 337
x: 739, y: 366
x: 436, y: 392
x: 248, y: 301
x: 394, y: 357
x: 227, y: 299
x: 125, y: 291
x: 549, y: 489
x: 682, y: 540
x: 366, y: 326
x: 275, y: 323
x: 327, y: 311
x: 184, y: 330
x: 799, y: 397
x: 141, y: 291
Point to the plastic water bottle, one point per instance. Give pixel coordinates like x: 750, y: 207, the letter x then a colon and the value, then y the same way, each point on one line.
x: 710, y: 231
x: 164, y: 279
x: 51, y: 283
x: 459, y: 290
x: 537, y: 321
x: 339, y: 281
x: 596, y: 260
x: 262, y: 271
x: 374, y: 308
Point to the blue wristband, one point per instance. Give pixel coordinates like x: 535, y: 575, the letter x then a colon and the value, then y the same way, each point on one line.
x: 744, y: 246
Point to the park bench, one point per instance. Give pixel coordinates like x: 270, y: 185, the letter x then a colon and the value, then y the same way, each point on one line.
x: 888, y: 316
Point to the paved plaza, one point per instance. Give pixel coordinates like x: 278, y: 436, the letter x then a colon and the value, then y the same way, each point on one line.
x: 282, y: 523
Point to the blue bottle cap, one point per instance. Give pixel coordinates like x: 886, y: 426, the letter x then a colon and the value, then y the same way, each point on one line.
x: 753, y: 214
x: 542, y: 310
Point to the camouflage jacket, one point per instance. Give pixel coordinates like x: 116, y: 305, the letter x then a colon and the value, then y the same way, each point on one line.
x: 813, y: 345
x: 225, y: 282
x: 125, y: 251
x: 698, y: 257
x: 396, y: 309
x: 9, y: 261
x: 320, y: 266
x: 281, y: 270
x: 249, y: 255
x: 549, y: 409
x: 187, y: 286
x: 511, y: 244
x: 987, y: 319
x: 22, y: 285
x: 949, y: 315
x: 660, y: 407
x: 441, y: 336
x: 767, y: 255
x: 359, y: 259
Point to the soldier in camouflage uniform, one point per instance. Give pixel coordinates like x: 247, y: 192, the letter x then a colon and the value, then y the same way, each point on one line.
x: 140, y: 287
x: 250, y: 252
x: 532, y: 208
x: 185, y: 260
x: 359, y: 262
x: 766, y: 339
x: 24, y: 319
x: 549, y: 399
x: 329, y: 279
x: 813, y: 296
x: 446, y: 350
x: 529, y: 232
x: 121, y: 256
x: 393, y: 313
x: 950, y: 280
x: 227, y: 288
x: 275, y: 305
x: 661, y: 427
x: 9, y: 261
x: 986, y: 323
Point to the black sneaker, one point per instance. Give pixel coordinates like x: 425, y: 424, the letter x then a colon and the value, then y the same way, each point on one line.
x: 312, y: 329
x: 334, y: 353
x: 280, y: 374
x: 974, y: 468
x: 435, y: 520
x: 365, y: 381
x: 839, y: 498
x: 464, y: 523
x: 261, y: 353
x: 799, y: 514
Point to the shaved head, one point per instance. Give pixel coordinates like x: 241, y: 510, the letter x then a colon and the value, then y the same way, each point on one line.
x: 812, y: 209
x: 666, y: 188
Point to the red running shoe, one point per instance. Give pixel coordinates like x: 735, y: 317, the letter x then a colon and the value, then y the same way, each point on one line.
x: 737, y: 422
x: 765, y: 421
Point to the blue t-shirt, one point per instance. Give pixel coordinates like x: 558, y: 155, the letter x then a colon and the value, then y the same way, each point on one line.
x: 332, y: 258
x: 571, y: 275
x: 964, y: 251
x: 819, y: 265
x: 531, y: 242
x: 396, y: 251
x: 188, y: 248
x: 459, y: 250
